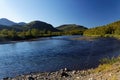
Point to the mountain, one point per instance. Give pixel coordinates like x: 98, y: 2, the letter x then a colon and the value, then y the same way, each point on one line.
x: 21, y: 23
x: 14, y: 27
x: 4, y: 27
x: 107, y: 30
x: 6, y: 22
x: 40, y: 25
x: 71, y: 27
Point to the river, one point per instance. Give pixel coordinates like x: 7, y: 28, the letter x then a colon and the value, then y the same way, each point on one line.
x: 54, y: 53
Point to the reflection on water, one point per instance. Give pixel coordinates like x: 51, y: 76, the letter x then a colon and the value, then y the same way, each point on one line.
x: 54, y: 53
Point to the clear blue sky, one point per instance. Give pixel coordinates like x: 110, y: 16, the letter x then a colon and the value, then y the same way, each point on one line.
x: 89, y: 13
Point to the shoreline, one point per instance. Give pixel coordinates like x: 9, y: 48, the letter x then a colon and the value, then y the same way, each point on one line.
x: 35, y: 39
x: 113, y: 73
x: 86, y: 38
x: 62, y: 74
x: 102, y: 72
x: 15, y: 41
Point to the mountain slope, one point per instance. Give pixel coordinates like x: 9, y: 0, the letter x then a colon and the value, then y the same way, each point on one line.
x: 21, y: 23
x: 6, y: 22
x: 72, y: 29
x: 14, y: 27
x: 105, y: 30
x: 40, y: 25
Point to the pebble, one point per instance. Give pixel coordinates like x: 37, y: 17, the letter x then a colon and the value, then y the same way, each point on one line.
x: 73, y: 72
x: 64, y: 74
x: 65, y: 69
x: 90, y: 79
x: 31, y: 78
x: 77, y: 77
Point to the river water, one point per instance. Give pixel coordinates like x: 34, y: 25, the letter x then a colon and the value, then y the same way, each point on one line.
x: 54, y: 53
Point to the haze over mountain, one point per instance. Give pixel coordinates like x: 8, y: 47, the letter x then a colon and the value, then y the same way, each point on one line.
x: 6, y: 22
x: 22, y: 23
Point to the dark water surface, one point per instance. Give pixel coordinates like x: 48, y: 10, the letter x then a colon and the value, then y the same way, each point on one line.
x: 51, y: 54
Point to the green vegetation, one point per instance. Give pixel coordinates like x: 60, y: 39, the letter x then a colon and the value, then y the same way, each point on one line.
x: 36, y: 29
x: 106, y: 63
x: 40, y: 26
x: 72, y: 29
x: 109, y: 30
x: 31, y: 30
x: 113, y: 77
x: 109, y: 60
x: 6, y: 34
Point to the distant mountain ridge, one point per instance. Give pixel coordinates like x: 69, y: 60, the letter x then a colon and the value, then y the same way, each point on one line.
x: 70, y: 27
x: 22, y: 23
x: 6, y: 22
x: 40, y: 25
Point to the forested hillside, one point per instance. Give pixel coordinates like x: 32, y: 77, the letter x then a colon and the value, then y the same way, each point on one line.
x: 112, y: 29
x: 31, y: 30
x: 35, y: 29
x: 72, y: 29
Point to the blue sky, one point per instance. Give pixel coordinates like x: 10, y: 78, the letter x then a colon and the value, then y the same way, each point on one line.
x: 89, y: 13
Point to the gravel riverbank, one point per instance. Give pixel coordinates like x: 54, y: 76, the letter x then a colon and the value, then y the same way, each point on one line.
x: 111, y: 73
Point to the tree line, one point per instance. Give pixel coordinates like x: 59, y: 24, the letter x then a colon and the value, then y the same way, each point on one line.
x: 109, y: 30
x: 6, y: 34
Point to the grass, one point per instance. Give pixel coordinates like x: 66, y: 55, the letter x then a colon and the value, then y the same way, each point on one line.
x: 106, y: 64
x: 113, y: 77
x: 104, y: 67
x: 110, y: 60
